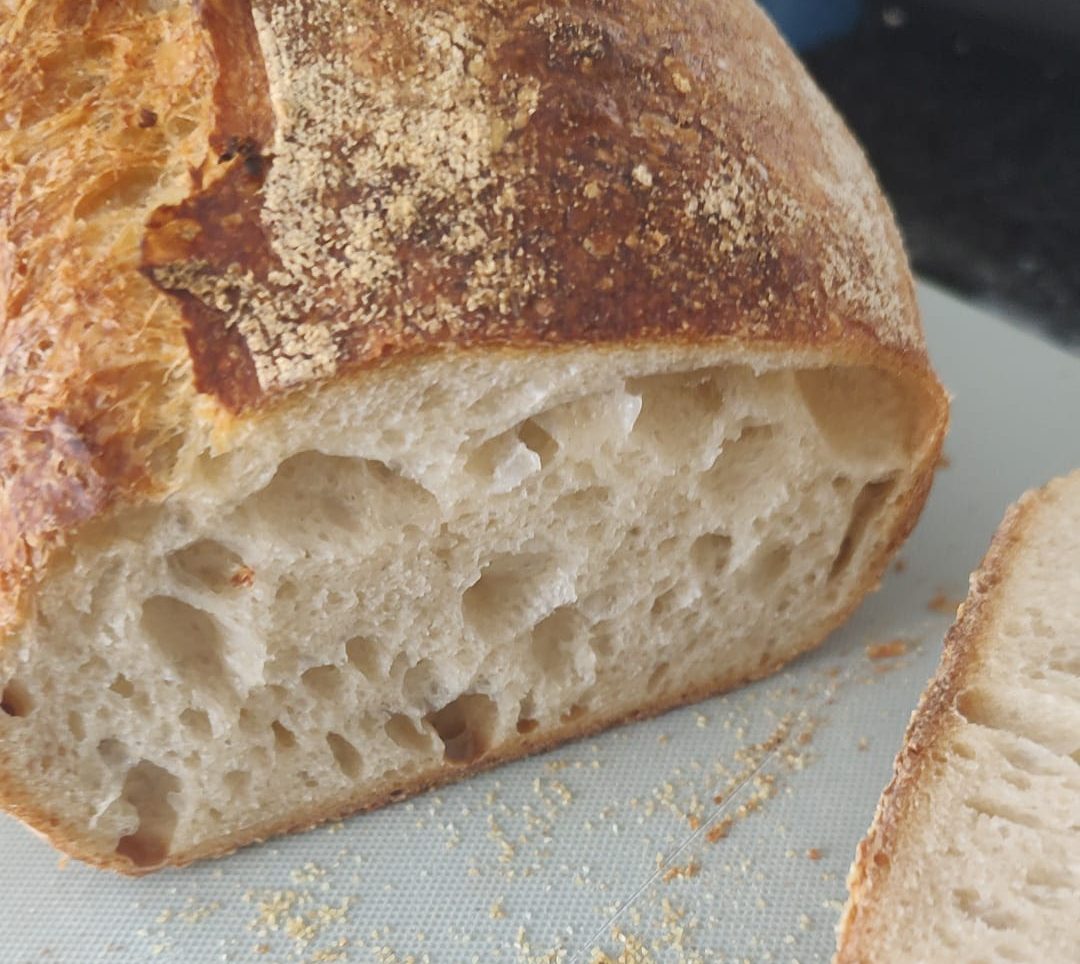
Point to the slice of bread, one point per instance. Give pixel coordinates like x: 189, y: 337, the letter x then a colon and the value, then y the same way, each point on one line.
x: 391, y: 389
x: 974, y: 853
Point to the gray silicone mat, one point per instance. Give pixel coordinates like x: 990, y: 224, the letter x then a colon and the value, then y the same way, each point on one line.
x: 616, y: 844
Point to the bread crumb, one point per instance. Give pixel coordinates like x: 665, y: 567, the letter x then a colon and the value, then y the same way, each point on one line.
x: 720, y: 829
x: 692, y: 869
x: 888, y: 650
x: 943, y: 603
x: 243, y: 577
x: 814, y: 853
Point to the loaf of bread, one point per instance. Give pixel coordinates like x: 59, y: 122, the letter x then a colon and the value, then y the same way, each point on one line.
x: 974, y: 854
x: 392, y: 389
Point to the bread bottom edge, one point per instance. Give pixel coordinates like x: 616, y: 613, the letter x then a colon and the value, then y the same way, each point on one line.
x: 390, y: 792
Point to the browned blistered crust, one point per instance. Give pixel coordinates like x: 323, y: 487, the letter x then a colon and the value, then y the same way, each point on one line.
x: 210, y: 206
x: 932, y: 723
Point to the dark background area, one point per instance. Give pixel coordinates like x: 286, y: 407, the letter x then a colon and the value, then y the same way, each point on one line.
x: 970, y: 112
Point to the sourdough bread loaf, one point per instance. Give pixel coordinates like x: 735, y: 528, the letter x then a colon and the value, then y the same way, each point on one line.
x: 393, y: 389
x: 974, y: 853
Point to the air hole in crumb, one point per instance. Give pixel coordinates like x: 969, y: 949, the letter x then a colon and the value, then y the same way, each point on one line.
x: 93, y: 666
x: 973, y: 706
x: 210, y: 565
x: 318, y: 498
x: 665, y: 602
x: 583, y: 504
x: 741, y: 463
x: 842, y: 401
x: 553, y: 638
x: 122, y: 686
x: 75, y: 725
x: 576, y: 712
x: 465, y: 727
x: 284, y: 738
x: 112, y: 752
x: 258, y: 758
x: 535, y: 439
x: 323, y: 681
x: 868, y: 503
x: 147, y: 788
x: 771, y: 565
x: 287, y: 591
x: 527, y: 714
x: 15, y: 699
x: 237, y: 782
x: 602, y: 639
x: 247, y: 721
x: 658, y: 677
x: 963, y: 751
x: 363, y: 654
x: 511, y: 592
x: 1018, y: 780
x: 405, y: 732
x: 675, y: 410
x: 197, y: 721
x: 188, y: 637
x: 420, y: 684
x: 346, y: 755
x: 710, y: 553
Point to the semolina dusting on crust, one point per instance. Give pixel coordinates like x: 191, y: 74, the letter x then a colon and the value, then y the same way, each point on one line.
x: 450, y: 173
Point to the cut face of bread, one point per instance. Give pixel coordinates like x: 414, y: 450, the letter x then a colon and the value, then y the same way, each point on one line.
x: 440, y: 565
x: 974, y: 854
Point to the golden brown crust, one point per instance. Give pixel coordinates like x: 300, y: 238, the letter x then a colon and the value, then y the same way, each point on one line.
x: 205, y: 207
x: 935, y: 718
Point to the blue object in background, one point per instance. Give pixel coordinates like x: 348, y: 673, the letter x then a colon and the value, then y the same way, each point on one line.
x: 807, y: 23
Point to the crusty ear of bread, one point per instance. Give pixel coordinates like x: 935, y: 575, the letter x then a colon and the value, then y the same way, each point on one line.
x: 394, y: 389
x: 974, y: 853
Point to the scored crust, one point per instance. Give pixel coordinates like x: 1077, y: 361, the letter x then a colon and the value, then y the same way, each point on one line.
x: 550, y: 174
x: 935, y: 718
